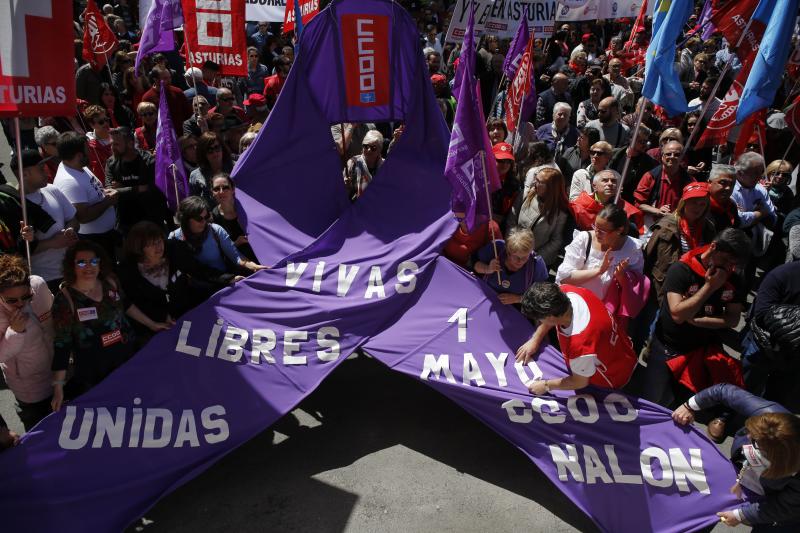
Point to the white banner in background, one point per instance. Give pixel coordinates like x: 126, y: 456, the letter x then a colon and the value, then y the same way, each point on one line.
x: 569, y: 11
x: 502, y: 18
x: 265, y: 10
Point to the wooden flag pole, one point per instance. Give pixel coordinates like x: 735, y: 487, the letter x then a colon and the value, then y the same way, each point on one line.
x: 491, y: 215
x: 21, y: 183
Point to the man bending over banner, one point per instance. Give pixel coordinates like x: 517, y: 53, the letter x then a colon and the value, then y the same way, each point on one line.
x: 596, y: 352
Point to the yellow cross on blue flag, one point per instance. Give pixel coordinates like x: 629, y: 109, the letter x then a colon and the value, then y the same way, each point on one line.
x: 661, y: 82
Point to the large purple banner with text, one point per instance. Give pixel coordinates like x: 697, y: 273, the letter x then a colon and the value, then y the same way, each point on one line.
x: 367, y: 274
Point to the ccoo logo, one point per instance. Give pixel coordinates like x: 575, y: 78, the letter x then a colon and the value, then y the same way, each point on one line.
x: 365, y: 44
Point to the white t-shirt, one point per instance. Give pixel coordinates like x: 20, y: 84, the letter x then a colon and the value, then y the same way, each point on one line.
x: 47, y: 263
x: 83, y: 187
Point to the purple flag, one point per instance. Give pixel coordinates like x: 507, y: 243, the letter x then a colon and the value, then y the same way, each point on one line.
x: 170, y: 173
x: 705, y: 21
x: 163, y: 17
x: 517, y: 46
x: 471, y: 166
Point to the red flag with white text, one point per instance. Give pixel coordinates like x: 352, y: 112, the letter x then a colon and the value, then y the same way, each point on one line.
x: 518, y: 89
x: 213, y: 32
x: 99, y: 42
x: 309, y: 9
x: 730, y: 17
x: 37, y: 64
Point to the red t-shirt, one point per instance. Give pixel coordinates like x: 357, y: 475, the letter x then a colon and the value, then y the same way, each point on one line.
x: 592, y: 345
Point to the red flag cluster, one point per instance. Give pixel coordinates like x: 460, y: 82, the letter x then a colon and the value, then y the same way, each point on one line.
x: 731, y: 19
x: 520, y: 87
x: 99, y: 42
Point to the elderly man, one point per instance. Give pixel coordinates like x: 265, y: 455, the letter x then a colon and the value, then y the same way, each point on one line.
x: 722, y: 211
x: 46, y: 138
x: 361, y: 169
x: 620, y: 88
x: 559, y: 134
x: 660, y: 189
x: 197, y: 124
x: 198, y: 86
x: 756, y: 211
x: 547, y: 100
x: 226, y: 106
x: 611, y: 129
x: 586, y: 206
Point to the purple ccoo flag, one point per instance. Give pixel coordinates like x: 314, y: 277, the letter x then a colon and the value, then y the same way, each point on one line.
x: 170, y: 172
x: 163, y: 17
x: 470, y: 162
x: 517, y: 47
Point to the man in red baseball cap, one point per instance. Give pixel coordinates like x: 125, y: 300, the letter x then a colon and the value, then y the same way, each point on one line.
x: 256, y: 108
x: 503, y: 200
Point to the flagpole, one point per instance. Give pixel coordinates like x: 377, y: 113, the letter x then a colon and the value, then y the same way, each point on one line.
x: 175, y: 184
x: 786, y: 153
x: 189, y: 62
x: 713, y: 94
x: 491, y: 215
x: 643, y: 103
x: 21, y: 183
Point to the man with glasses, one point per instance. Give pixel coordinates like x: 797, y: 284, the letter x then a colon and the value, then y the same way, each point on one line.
x: 722, y: 211
x: 226, y: 106
x: 604, y: 189
x: 611, y: 130
x: 274, y: 84
x: 198, y: 122
x: 639, y: 162
x: 660, y: 189
x: 361, y: 169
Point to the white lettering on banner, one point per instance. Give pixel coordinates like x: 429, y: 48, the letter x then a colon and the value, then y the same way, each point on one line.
x: 581, y: 408
x: 673, y: 466
x: 435, y: 365
x: 460, y: 316
x: 14, y: 37
x: 502, y: 18
x: 265, y: 10
x: 32, y: 94
x: 260, y: 343
x: 217, y: 57
x: 406, y: 275
x: 366, y: 60
x: 161, y: 428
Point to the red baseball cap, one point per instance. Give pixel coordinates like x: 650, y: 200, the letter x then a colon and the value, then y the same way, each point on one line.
x: 697, y: 189
x: 255, y: 100
x: 503, y: 151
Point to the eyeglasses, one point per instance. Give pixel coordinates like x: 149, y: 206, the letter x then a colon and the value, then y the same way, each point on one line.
x: 83, y: 263
x: 672, y: 154
x: 14, y: 301
x: 601, y: 231
x: 214, y: 148
x: 202, y: 218
x: 370, y: 147
x: 784, y: 175
x: 220, y: 188
x: 597, y: 153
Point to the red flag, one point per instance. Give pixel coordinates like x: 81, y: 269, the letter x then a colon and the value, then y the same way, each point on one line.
x: 716, y: 132
x: 213, y: 32
x: 309, y: 9
x: 793, y: 117
x: 730, y: 18
x: 752, y: 132
x: 639, y: 24
x: 98, y: 39
x: 519, y: 88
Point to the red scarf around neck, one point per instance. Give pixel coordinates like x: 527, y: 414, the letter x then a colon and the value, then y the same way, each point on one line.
x: 718, y: 209
x: 693, y: 234
x: 692, y: 260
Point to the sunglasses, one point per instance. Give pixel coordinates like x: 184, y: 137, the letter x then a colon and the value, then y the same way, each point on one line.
x: 370, y: 147
x: 220, y: 188
x: 672, y: 154
x: 14, y: 301
x: 598, y: 153
x: 83, y: 263
x: 201, y: 218
x: 147, y: 114
x: 784, y: 175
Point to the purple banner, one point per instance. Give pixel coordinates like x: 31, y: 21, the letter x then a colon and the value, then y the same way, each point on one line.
x: 170, y: 173
x: 234, y: 365
x: 163, y: 17
x: 599, y: 447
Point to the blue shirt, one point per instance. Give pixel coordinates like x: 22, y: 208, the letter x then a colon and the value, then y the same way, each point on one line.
x: 211, y: 253
x: 518, y: 282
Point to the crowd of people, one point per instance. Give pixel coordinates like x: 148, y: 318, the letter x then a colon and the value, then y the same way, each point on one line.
x: 629, y: 247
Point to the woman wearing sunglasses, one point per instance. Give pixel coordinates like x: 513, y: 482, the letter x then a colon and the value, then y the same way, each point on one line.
x: 212, y: 159
x: 89, y: 316
x: 225, y: 215
x: 209, y: 242
x: 26, y: 338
